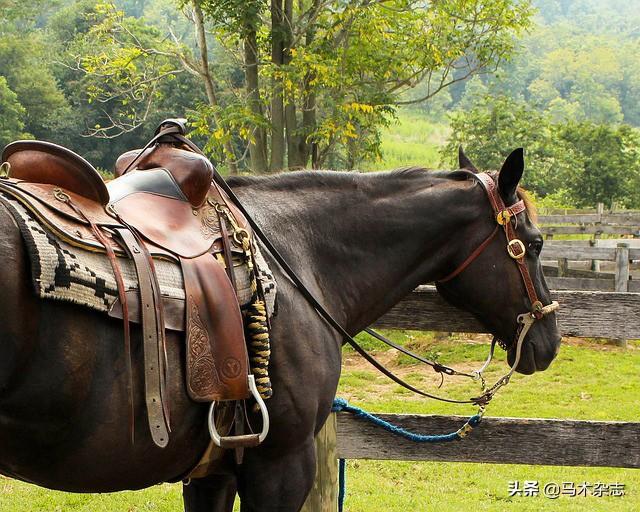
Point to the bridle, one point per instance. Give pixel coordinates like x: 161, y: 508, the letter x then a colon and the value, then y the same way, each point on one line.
x: 515, y: 248
x: 505, y: 217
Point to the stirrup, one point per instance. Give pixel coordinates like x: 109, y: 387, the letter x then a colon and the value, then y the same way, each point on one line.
x: 246, y: 440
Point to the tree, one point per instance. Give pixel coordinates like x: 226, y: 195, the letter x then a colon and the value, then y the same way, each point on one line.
x: 584, y: 162
x: 496, y: 125
x: 320, y: 77
x: 610, y: 170
x: 25, y: 64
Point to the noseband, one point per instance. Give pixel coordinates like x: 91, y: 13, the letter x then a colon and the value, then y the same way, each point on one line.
x: 507, y: 218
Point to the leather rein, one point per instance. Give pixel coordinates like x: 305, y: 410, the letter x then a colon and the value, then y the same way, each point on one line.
x: 516, y: 249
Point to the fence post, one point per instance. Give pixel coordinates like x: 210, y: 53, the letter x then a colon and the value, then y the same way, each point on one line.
x: 324, y: 494
x: 622, y: 277
x: 622, y: 268
x: 563, y: 267
x: 595, y: 264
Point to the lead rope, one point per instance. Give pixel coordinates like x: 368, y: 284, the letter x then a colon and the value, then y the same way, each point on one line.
x: 341, y: 405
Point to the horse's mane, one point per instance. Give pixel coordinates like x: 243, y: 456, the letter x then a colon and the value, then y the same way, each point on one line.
x: 294, y: 180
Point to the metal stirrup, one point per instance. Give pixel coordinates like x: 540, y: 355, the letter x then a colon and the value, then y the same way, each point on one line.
x: 247, y: 440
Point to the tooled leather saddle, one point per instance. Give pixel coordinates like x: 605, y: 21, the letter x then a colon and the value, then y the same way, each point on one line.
x: 163, y: 203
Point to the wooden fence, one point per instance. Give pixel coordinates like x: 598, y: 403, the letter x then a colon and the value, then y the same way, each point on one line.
x: 620, y: 254
x: 596, y: 224
x: 498, y: 440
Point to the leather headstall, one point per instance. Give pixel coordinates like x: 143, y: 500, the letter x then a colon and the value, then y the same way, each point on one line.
x: 507, y: 218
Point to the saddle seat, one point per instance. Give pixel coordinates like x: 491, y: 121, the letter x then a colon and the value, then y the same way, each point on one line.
x: 165, y: 204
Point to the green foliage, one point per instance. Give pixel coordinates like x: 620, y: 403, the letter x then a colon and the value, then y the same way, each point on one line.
x: 366, y: 57
x: 28, y: 70
x: 123, y: 61
x: 578, y: 164
x: 12, y: 115
x: 610, y: 172
x: 497, y: 125
x: 573, y: 69
x: 103, y: 115
x: 345, y: 70
x: 18, y: 14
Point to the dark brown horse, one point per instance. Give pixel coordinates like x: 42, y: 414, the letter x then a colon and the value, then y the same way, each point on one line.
x: 361, y: 242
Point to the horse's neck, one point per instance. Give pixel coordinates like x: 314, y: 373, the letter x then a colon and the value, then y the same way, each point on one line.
x: 363, y: 243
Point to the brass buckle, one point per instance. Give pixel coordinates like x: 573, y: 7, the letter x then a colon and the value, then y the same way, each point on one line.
x: 516, y: 243
x: 503, y: 217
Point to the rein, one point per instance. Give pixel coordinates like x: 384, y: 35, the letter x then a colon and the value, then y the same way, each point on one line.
x: 515, y: 248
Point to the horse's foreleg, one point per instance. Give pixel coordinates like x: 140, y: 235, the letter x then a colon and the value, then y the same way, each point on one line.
x: 212, y: 494
x: 276, y: 482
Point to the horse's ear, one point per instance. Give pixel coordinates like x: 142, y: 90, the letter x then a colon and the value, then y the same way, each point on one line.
x: 511, y: 173
x: 464, y: 162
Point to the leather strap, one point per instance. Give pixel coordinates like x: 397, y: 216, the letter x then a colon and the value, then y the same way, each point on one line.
x: 226, y: 251
x: 152, y: 341
x: 472, y: 256
x: 488, y: 181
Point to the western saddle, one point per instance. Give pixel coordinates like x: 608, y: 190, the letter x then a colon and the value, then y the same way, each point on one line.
x: 163, y: 203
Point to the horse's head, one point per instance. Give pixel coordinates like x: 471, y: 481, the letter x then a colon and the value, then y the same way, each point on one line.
x: 496, y: 272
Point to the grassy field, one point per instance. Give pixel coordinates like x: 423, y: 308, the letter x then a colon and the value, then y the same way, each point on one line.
x: 412, y: 140
x: 589, y: 380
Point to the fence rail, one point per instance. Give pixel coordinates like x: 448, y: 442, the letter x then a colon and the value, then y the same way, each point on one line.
x: 497, y: 440
x: 582, y: 313
x: 614, y: 219
x: 591, y: 229
x: 591, y: 223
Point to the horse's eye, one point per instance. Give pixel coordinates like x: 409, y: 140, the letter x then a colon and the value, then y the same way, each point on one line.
x: 536, y: 247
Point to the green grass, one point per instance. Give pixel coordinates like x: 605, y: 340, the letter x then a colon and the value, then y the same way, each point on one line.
x: 589, y: 380
x: 412, y: 140
x: 21, y: 497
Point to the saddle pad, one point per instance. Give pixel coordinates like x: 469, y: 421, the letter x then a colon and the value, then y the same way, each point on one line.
x: 64, y: 272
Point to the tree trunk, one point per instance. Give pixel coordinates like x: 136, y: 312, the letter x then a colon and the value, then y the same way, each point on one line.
x: 277, y: 101
x: 257, y: 143
x: 209, y: 86
x: 295, y: 159
x: 309, y: 102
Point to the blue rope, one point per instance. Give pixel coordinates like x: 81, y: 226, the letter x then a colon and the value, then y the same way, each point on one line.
x: 341, y: 405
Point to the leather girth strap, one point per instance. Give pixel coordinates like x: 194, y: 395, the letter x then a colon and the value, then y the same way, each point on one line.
x: 155, y: 363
